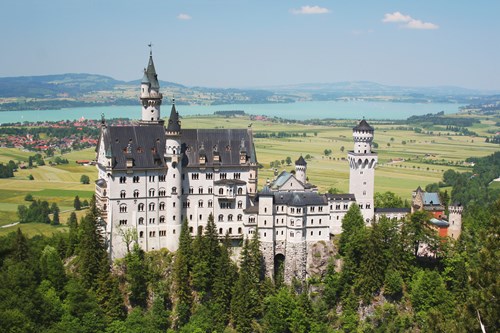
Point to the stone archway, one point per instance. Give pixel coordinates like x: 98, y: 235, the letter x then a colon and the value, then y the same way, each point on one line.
x: 279, y: 267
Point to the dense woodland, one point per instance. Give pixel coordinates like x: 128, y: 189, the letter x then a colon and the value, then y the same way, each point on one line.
x: 376, y: 282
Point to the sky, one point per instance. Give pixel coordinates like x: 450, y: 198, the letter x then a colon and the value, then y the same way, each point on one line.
x: 256, y: 43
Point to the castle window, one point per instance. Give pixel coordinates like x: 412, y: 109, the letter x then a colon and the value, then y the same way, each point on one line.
x: 230, y: 231
x: 240, y: 217
x: 240, y: 191
x: 230, y: 217
x: 368, y: 206
x: 312, y: 233
x: 141, y: 234
x: 151, y: 192
x: 141, y: 220
x: 210, y: 190
x: 151, y: 178
x: 200, y: 203
x: 140, y: 207
x: 151, y: 206
x: 190, y: 217
x: 135, y: 179
x: 162, y: 219
x: 223, y: 175
x: 320, y: 209
x: 209, y: 176
x: 174, y: 190
x: 151, y: 221
x: 191, y: 190
x: 364, y: 192
x: 319, y: 221
x: 292, y: 234
x: 152, y: 233
x: 162, y: 233
x: 361, y: 206
x: 240, y: 204
x: 221, y: 218
x: 337, y: 207
x: 104, y: 207
x: 319, y: 233
x: 346, y: 206
x: 237, y: 175
x: 136, y: 193
x: 173, y: 219
x: 312, y: 221
x: 239, y: 230
x: 195, y: 176
x: 162, y: 206
x: 162, y: 192
x: 201, y: 218
x: 210, y: 203
x: 161, y: 178
x: 123, y: 194
x: 311, y: 209
x: 220, y: 231
x: 123, y: 208
x: 265, y: 209
x: 292, y: 223
x: 200, y: 190
x: 123, y: 222
x: 123, y: 180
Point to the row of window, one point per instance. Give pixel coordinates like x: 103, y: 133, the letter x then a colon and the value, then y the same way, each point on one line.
x: 210, y: 176
x: 136, y: 179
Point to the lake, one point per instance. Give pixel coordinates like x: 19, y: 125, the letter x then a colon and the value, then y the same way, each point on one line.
x: 297, y: 111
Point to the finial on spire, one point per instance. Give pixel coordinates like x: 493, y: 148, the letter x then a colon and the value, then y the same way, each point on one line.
x: 173, y: 100
x: 150, y: 48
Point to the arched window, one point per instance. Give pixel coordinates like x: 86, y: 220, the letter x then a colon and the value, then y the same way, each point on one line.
x: 239, y: 230
x: 230, y: 217
x: 240, y: 191
x: 151, y: 192
x: 123, y: 194
x: 141, y: 234
x: 220, y: 231
x: 221, y: 218
x: 200, y: 203
x: 136, y: 193
x: 221, y: 191
x: 140, y: 207
x: 162, y: 206
x: 141, y: 220
x: 230, y: 231
x: 240, y: 204
x: 240, y: 217
x: 174, y: 190
x: 151, y: 206
x: 162, y: 219
x: 123, y: 208
x: 210, y: 203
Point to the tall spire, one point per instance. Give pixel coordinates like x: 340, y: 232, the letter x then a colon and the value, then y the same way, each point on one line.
x: 150, y: 94
x: 174, y: 124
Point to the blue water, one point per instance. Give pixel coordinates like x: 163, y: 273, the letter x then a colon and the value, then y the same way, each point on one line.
x: 297, y: 111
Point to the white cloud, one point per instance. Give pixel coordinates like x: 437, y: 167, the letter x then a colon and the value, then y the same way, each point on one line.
x: 409, y: 22
x: 307, y: 10
x: 396, y: 17
x: 184, y: 17
x: 417, y: 24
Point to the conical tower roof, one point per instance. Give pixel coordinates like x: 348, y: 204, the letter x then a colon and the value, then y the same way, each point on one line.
x: 150, y: 74
x: 301, y: 161
x: 174, y: 124
x: 363, y: 126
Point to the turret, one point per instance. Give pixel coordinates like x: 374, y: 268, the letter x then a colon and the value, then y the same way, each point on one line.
x: 300, y: 170
x: 455, y: 220
x: 151, y: 97
x: 173, y: 161
x: 362, y: 162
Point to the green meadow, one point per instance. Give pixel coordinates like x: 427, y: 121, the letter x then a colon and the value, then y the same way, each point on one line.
x: 401, y: 166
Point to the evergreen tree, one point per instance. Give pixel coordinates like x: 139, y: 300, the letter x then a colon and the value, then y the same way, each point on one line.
x: 181, y: 277
x: 52, y: 267
x: 108, y: 294
x: 417, y: 231
x: 351, y: 224
x: 55, y: 211
x: 76, y: 203
x: 73, y: 234
x: 137, y: 277
x: 90, y: 248
x: 246, y: 301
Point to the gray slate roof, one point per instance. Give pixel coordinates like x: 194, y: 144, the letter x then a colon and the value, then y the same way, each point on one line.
x: 226, y: 143
x: 174, y: 124
x: 342, y: 196
x: 145, y: 145
x: 363, y: 126
x: 150, y: 74
x: 392, y: 210
x: 301, y: 161
x: 299, y: 198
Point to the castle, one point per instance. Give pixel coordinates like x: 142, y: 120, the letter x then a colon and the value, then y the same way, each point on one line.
x: 152, y: 176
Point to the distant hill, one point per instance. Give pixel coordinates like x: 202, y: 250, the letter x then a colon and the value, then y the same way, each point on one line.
x: 372, y: 88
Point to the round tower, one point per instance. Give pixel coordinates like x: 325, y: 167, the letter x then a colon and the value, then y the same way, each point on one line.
x: 362, y: 162
x: 300, y: 170
x: 151, y: 97
x: 455, y: 220
x: 173, y: 161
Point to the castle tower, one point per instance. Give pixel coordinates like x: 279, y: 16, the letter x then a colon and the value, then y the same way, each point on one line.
x: 455, y: 220
x: 265, y: 228
x: 362, y: 162
x: 300, y: 170
x: 173, y: 161
x: 150, y: 95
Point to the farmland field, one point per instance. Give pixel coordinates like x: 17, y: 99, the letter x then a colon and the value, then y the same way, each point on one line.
x: 404, y: 161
